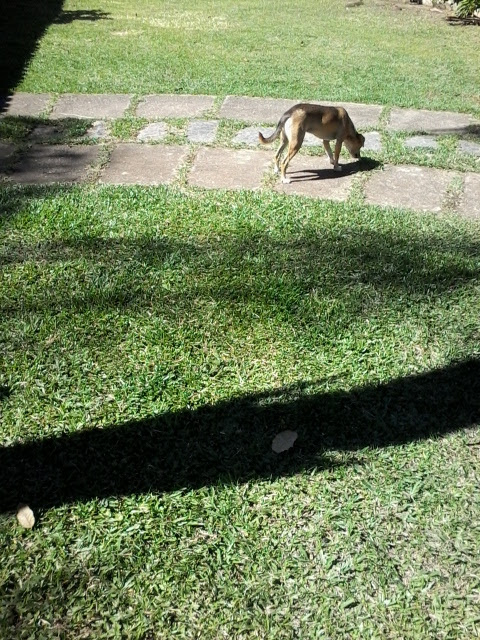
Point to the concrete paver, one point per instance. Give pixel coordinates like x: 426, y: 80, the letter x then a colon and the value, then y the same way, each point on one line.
x: 269, y: 110
x: 26, y: 104
x: 249, y: 136
x: 421, y: 142
x: 229, y: 169
x: 314, y: 176
x: 410, y: 187
x: 96, y: 106
x: 46, y: 164
x: 434, y: 122
x: 467, y: 146
x: 470, y: 200
x: 143, y: 164
x: 202, y: 131
x: 254, y: 109
x: 174, y: 106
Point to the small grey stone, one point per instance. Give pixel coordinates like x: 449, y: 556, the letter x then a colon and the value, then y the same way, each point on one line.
x: 421, y: 142
x: 44, y: 132
x: 202, y: 130
x: 373, y: 141
x: 97, y: 131
x: 153, y: 132
x: 467, y: 146
x: 311, y: 140
x: 249, y: 135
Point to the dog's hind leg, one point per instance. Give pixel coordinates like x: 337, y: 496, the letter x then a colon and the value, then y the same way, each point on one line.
x: 294, y: 146
x: 326, y: 144
x: 283, y: 144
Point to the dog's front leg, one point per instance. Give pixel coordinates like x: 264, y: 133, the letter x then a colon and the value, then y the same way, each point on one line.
x: 338, y: 148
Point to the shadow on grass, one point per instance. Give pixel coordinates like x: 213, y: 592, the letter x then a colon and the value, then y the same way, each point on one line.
x: 231, y: 441
x: 22, y: 25
x: 363, y: 269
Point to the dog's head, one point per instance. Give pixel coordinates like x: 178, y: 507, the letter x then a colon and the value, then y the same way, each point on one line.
x: 354, y: 144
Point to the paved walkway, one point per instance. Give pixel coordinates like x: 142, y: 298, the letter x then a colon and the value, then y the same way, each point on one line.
x: 202, y: 162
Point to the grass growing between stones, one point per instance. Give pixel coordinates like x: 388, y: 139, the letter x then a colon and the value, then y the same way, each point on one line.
x: 372, y: 52
x: 153, y: 343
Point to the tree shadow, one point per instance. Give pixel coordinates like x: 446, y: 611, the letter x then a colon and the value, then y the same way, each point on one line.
x: 230, y: 442
x: 22, y: 26
x: 365, y: 268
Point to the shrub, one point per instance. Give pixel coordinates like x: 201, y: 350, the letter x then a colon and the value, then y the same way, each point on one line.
x: 466, y: 8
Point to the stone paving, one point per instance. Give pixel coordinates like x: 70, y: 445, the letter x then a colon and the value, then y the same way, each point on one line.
x: 143, y: 164
x: 41, y: 161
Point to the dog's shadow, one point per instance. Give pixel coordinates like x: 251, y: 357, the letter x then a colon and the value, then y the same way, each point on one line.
x: 305, y: 175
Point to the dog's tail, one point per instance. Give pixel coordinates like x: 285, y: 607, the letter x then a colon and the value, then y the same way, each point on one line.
x: 277, y: 131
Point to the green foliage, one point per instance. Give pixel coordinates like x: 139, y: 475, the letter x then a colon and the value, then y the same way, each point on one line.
x: 466, y: 8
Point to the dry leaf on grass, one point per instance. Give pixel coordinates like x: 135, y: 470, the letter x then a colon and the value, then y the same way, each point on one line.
x: 284, y: 441
x: 25, y: 516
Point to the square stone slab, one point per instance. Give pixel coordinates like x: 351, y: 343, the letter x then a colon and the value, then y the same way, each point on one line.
x: 255, y: 109
x: 434, y: 122
x: 362, y: 115
x: 271, y: 109
x: 229, y: 169
x: 46, y: 164
x: 143, y: 164
x: 30, y: 105
x: 418, y: 188
x: 249, y: 136
x: 314, y: 176
x: 95, y: 106
x: 174, y: 106
x: 470, y: 200
x: 203, y: 131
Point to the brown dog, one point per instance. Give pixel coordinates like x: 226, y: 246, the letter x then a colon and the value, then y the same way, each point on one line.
x: 327, y: 123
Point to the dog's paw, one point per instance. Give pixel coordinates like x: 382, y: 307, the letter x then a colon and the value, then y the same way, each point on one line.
x: 337, y: 167
x: 276, y: 169
x: 286, y: 180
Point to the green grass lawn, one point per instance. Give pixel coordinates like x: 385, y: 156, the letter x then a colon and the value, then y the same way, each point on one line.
x: 153, y: 344
x: 380, y: 52
x: 154, y: 341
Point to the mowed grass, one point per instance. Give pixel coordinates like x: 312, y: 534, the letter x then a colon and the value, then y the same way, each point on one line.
x: 154, y: 342
x: 377, y: 52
